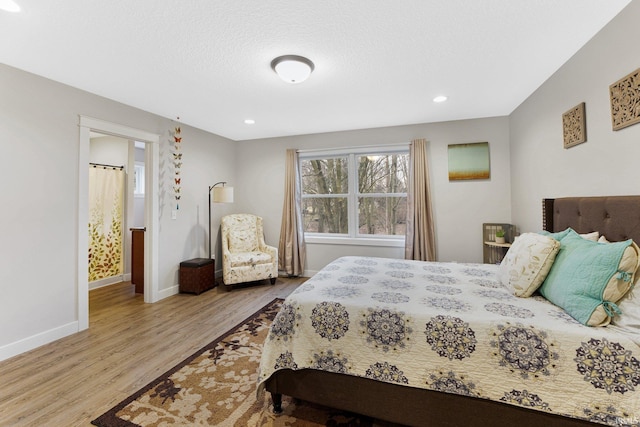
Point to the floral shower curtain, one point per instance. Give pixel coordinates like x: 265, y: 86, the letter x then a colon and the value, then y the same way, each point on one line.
x: 106, y: 201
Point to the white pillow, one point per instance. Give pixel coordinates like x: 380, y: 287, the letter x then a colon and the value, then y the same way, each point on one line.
x: 527, y: 263
x: 629, y: 305
x: 593, y: 236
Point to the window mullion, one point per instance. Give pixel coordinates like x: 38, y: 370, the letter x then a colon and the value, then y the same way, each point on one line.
x: 374, y: 195
x: 353, y: 196
x: 383, y: 212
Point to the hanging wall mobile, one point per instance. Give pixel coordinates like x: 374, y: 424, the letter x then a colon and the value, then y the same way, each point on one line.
x: 177, y: 164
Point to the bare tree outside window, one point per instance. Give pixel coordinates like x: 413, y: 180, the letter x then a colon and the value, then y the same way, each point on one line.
x: 325, y: 182
x: 382, y: 194
x: 378, y: 198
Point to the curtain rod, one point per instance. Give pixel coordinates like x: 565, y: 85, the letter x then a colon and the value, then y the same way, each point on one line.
x: 355, y: 148
x: 106, y: 166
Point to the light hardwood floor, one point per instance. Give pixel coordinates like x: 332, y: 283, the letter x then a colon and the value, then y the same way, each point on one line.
x: 128, y: 344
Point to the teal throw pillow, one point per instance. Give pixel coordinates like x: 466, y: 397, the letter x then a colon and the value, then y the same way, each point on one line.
x: 586, y: 278
x: 558, y: 235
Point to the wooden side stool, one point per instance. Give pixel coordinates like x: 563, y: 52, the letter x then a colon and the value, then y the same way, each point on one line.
x: 197, y: 275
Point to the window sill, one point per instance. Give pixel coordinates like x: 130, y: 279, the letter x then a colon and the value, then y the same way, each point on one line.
x: 396, y: 243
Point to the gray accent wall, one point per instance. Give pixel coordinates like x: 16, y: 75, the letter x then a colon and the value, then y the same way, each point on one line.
x: 604, y: 165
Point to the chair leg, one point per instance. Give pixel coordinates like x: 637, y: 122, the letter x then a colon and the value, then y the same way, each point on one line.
x: 276, y: 399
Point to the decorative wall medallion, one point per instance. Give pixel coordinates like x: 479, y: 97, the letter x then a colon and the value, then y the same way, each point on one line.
x: 574, y: 126
x: 625, y: 101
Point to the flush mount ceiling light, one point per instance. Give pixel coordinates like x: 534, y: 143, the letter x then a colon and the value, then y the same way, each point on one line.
x: 292, y: 68
x: 440, y: 98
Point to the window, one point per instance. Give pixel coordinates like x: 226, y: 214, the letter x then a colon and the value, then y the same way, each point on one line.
x: 138, y: 179
x: 356, y: 194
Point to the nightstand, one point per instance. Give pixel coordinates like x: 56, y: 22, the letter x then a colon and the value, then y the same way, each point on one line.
x: 492, y: 251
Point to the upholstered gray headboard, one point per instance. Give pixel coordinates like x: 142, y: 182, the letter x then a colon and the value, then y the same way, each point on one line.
x: 615, y: 217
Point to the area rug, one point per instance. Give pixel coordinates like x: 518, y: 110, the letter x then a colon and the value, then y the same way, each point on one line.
x: 216, y: 386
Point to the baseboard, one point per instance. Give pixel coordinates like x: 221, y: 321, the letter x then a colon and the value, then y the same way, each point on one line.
x: 108, y: 281
x: 164, y: 293
x: 35, y: 341
x: 305, y: 273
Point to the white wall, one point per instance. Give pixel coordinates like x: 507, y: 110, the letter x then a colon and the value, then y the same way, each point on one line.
x: 40, y: 142
x: 206, y: 159
x: 109, y: 150
x: 607, y: 163
x: 460, y: 207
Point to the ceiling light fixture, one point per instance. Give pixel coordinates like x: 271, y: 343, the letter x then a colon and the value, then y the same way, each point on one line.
x: 440, y: 98
x: 292, y: 68
x: 249, y: 122
x: 9, y: 6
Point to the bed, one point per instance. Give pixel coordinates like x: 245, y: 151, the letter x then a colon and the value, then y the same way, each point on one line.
x: 435, y: 359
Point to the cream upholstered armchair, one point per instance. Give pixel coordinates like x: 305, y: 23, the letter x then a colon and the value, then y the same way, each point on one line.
x: 245, y: 256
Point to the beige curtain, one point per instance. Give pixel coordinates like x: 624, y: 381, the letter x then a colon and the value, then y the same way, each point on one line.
x: 291, y: 248
x: 106, y: 202
x: 420, y: 239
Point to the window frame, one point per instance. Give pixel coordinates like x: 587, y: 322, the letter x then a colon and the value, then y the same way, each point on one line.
x: 353, y: 236
x: 138, y: 179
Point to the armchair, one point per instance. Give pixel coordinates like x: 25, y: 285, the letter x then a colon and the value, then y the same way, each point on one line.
x: 245, y: 256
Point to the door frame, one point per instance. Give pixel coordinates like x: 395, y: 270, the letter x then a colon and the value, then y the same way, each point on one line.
x: 151, y: 209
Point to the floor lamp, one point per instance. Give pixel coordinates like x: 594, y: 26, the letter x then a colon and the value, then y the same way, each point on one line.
x: 220, y: 195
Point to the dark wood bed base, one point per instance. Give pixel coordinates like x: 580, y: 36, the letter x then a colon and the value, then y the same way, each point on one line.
x: 616, y: 217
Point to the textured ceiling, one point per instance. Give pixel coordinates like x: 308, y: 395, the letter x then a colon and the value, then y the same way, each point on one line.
x: 377, y: 63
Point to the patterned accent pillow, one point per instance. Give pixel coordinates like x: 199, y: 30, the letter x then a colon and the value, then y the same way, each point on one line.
x: 243, y: 238
x: 527, y: 263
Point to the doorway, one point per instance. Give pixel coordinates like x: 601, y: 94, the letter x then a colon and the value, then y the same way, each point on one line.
x: 116, y: 211
x: 151, y: 141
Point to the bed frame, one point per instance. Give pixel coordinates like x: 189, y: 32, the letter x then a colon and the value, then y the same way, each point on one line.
x: 616, y: 217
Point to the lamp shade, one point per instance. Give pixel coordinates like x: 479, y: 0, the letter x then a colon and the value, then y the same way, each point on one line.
x: 292, y: 68
x: 223, y: 194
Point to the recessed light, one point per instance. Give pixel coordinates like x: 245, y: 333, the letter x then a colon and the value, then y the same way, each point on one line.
x: 440, y: 98
x: 9, y: 6
x: 249, y: 122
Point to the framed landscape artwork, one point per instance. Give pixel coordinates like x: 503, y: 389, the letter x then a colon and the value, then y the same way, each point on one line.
x: 469, y: 161
x: 574, y: 126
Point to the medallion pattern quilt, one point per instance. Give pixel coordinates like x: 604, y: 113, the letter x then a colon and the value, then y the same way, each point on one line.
x: 454, y: 328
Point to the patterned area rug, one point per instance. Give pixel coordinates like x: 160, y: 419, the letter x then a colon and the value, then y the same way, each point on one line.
x: 216, y: 386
